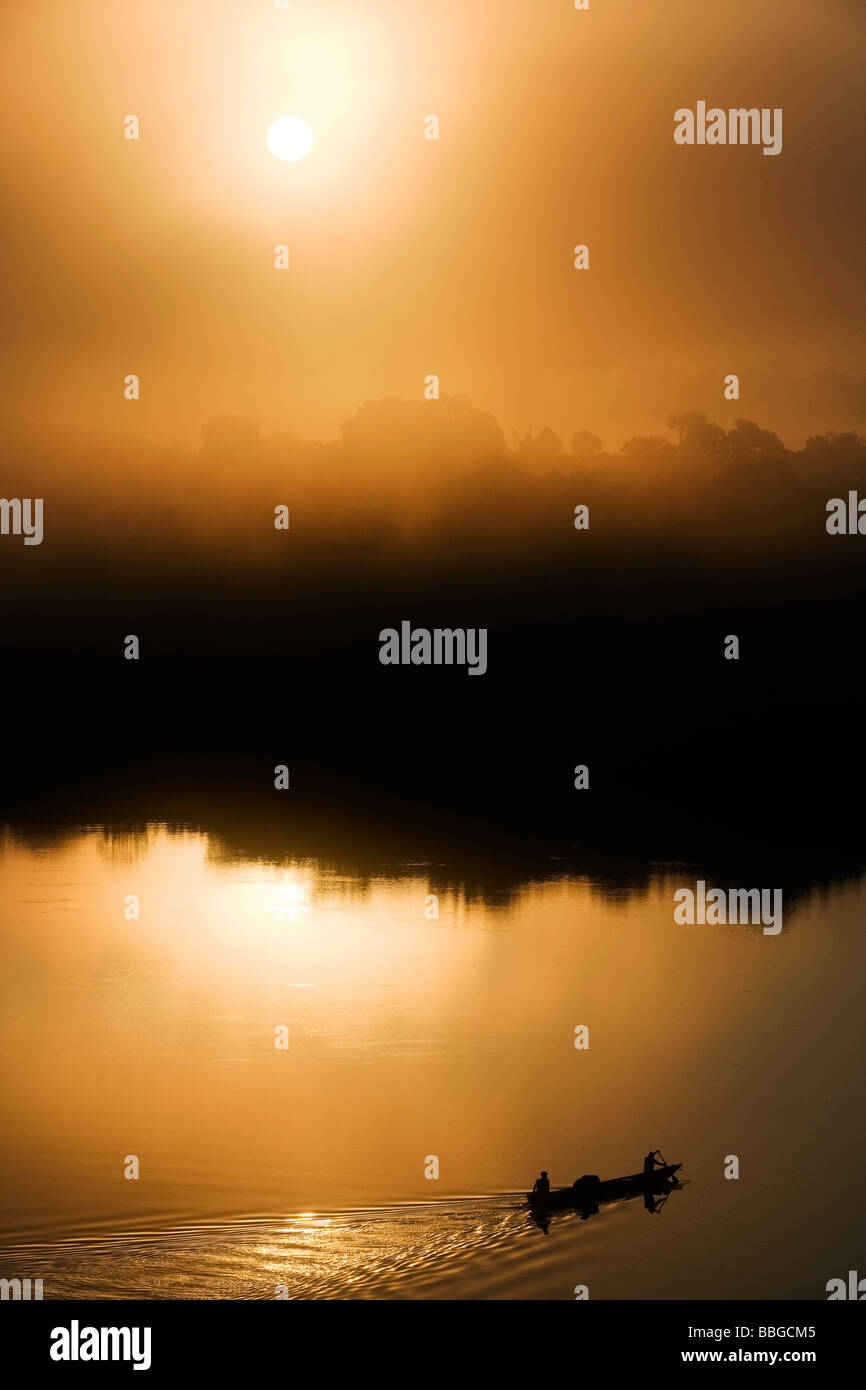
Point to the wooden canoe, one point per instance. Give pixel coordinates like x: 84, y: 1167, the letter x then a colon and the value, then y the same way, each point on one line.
x: 589, y: 1191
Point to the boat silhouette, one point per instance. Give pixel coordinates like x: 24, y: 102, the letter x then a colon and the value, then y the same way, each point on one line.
x: 587, y: 1192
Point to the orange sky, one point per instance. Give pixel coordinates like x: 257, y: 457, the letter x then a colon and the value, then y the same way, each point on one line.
x: 410, y: 256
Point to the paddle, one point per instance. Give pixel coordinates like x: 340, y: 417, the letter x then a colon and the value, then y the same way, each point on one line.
x: 673, y: 1177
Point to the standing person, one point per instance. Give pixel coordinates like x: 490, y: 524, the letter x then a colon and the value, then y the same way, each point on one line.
x: 650, y: 1164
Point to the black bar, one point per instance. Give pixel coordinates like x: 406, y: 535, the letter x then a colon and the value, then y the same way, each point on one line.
x: 252, y: 1338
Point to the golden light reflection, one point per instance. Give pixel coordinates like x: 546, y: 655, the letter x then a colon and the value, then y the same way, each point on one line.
x: 462, y: 1027
x: 293, y: 898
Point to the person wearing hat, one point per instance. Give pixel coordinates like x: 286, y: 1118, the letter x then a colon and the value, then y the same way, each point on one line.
x: 542, y: 1184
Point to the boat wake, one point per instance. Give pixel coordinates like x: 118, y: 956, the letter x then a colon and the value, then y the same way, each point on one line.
x: 413, y: 1251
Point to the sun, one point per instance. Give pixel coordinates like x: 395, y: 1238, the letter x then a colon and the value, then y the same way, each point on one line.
x: 290, y: 138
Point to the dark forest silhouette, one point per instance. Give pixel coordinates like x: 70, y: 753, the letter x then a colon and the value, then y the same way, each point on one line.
x: 605, y: 645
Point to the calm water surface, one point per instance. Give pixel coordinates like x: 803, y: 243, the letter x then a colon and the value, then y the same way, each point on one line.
x: 411, y: 1037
